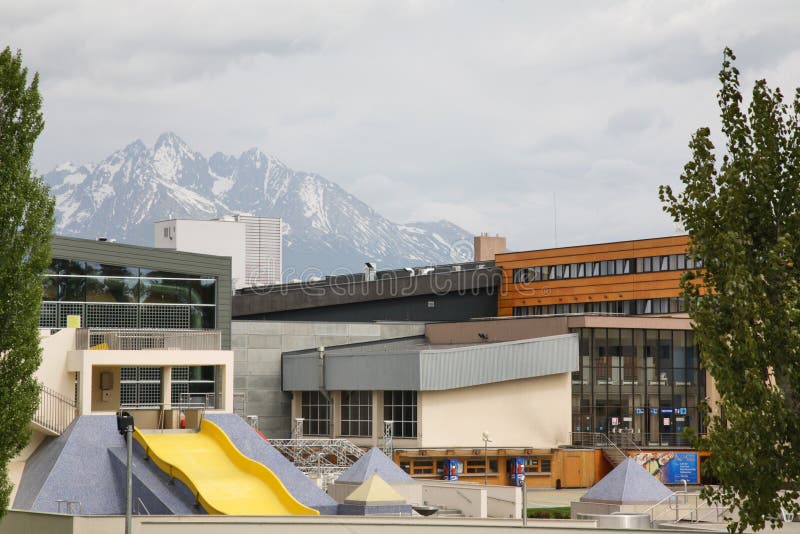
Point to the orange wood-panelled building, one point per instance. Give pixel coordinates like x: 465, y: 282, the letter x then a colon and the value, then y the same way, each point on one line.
x: 631, y: 277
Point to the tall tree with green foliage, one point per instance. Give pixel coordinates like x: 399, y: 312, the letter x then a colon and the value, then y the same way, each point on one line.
x: 743, y: 216
x: 26, y: 223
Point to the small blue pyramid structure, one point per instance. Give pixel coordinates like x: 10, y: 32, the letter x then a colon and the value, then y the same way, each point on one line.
x: 628, y: 483
x: 374, y: 462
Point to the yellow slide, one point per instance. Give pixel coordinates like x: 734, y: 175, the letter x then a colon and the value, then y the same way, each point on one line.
x: 224, y: 480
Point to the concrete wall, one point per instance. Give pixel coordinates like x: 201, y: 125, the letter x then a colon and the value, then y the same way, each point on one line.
x: 258, y: 345
x: 41, y: 523
x: 531, y: 412
x: 469, y: 499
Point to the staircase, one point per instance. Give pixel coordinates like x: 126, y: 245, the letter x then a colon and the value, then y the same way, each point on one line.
x: 613, y: 453
x: 55, y: 412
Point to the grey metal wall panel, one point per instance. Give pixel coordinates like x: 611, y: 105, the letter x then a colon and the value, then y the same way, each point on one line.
x: 71, y: 248
x: 442, y: 369
x: 373, y: 371
x: 301, y: 372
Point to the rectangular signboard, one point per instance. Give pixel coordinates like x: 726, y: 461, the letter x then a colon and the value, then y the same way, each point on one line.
x: 670, y: 467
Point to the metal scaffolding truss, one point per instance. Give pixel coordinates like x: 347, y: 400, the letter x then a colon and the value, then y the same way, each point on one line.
x: 323, y: 457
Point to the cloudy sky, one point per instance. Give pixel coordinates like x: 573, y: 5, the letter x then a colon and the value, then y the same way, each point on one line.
x: 477, y: 112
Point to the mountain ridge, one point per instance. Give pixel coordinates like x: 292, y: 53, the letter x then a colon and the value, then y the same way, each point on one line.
x: 326, y: 229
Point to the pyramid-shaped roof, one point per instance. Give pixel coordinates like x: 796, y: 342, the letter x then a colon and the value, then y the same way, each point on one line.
x: 374, y: 462
x: 375, y: 491
x: 628, y: 483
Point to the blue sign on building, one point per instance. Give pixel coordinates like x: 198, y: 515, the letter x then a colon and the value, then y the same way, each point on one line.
x: 654, y: 411
x: 682, y: 411
x: 682, y: 466
x: 666, y: 410
x: 639, y: 411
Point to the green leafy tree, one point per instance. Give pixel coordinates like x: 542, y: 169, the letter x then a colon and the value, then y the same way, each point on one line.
x: 743, y: 217
x: 26, y: 223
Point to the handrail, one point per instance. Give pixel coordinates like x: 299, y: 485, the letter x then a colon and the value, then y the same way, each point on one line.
x: 458, y: 491
x: 141, y: 505
x: 55, y: 411
x: 144, y: 339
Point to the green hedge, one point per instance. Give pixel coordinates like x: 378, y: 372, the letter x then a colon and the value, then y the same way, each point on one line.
x: 555, y: 512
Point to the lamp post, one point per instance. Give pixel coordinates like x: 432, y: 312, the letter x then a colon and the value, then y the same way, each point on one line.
x: 486, y: 439
x: 125, y: 427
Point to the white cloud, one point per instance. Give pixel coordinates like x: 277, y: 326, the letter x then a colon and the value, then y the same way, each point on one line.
x: 473, y: 111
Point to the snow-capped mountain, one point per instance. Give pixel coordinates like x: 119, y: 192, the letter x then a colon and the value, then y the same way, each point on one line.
x: 326, y: 229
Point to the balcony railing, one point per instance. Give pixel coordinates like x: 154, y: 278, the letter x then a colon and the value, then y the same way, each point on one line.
x: 147, y: 339
x: 55, y: 411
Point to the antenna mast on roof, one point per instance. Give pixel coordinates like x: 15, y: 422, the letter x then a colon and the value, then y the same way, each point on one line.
x: 555, y: 222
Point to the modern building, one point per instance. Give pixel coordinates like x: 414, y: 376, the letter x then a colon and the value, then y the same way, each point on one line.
x: 146, y: 331
x: 436, y: 293
x: 432, y: 401
x: 253, y: 244
x: 639, y: 277
x: 637, y: 375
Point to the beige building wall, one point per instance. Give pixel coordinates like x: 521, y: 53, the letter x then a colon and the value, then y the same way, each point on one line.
x: 531, y: 412
x: 486, y: 246
x: 53, y: 371
x: 91, y: 363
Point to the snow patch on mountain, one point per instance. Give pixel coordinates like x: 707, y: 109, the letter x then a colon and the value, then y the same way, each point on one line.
x: 325, y: 228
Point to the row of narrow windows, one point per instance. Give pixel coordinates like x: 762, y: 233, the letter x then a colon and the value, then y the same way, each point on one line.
x: 564, y: 271
x: 622, y: 307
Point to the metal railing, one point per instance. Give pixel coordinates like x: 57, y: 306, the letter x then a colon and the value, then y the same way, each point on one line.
x: 631, y: 439
x: 55, y: 411
x: 142, y: 339
x: 685, y: 506
x: 324, y: 457
x: 208, y: 400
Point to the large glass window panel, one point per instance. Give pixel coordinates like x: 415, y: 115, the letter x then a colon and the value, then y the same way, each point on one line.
x: 106, y: 289
x: 603, y: 268
x: 202, y: 317
x: 619, y: 268
x: 72, y: 289
x: 596, y: 268
x: 664, y: 263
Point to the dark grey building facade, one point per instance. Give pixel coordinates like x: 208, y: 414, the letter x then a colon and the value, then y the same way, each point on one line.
x: 112, y: 285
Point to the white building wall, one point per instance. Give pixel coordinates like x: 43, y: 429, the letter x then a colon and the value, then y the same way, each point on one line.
x: 531, y: 412
x: 218, y: 237
x: 263, y: 259
x: 253, y: 243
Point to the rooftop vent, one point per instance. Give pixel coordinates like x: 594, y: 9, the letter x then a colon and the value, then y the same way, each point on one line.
x: 369, y: 271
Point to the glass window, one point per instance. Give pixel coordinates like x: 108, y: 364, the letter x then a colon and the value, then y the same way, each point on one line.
x: 596, y: 268
x: 356, y: 413
x: 567, y: 271
x: 316, y: 413
x: 401, y: 407
x: 626, y: 267
x: 619, y: 267
x: 603, y: 268
x: 107, y: 289
x: 639, y: 265
x: 673, y: 262
x: 581, y: 270
x: 656, y: 264
x: 681, y: 261
x: 646, y: 265
x: 665, y: 263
